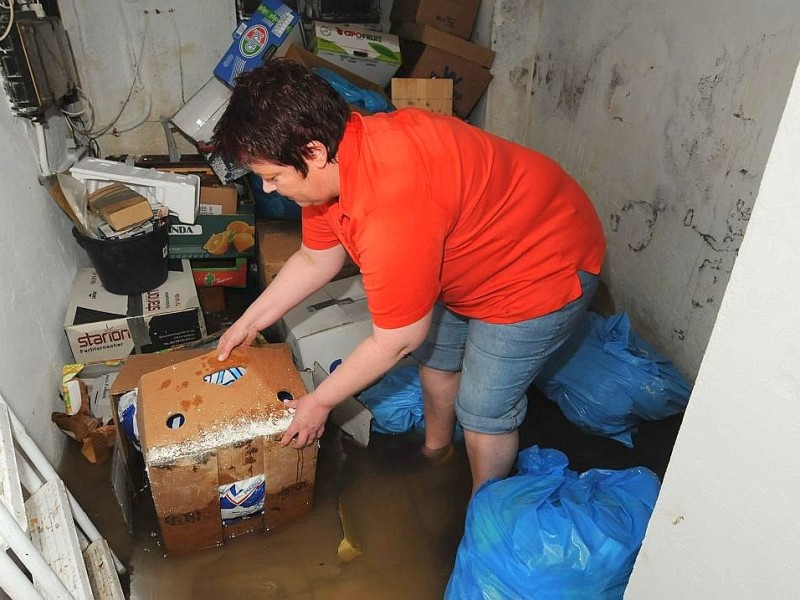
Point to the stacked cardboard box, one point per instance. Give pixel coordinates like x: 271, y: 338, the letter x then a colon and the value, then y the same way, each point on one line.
x: 456, y: 17
x: 433, y: 41
x: 373, y: 55
x: 430, y: 52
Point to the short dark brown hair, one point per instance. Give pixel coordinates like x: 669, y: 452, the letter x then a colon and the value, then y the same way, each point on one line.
x: 275, y: 111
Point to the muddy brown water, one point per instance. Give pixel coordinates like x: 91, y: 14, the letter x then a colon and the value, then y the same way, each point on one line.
x: 406, y: 521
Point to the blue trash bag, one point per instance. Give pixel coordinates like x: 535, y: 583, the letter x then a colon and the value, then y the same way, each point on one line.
x: 551, y: 533
x: 352, y: 94
x: 396, y: 401
x: 272, y: 205
x: 606, y: 378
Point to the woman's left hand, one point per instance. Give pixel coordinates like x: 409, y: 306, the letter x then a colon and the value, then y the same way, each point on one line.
x: 308, y: 423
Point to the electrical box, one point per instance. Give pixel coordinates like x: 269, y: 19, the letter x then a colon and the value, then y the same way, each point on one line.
x: 37, y: 64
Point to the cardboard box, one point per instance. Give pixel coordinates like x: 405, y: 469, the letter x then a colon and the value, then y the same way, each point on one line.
x: 128, y: 379
x: 206, y: 425
x: 456, y: 17
x: 104, y: 326
x: 277, y: 241
x: 428, y: 52
x: 212, y: 299
x: 215, y: 236
x: 328, y: 325
x: 217, y: 198
x: 220, y: 272
x: 435, y: 95
x: 267, y: 33
x: 373, y: 55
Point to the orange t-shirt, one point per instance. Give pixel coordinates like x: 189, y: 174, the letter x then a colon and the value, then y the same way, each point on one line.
x: 432, y: 208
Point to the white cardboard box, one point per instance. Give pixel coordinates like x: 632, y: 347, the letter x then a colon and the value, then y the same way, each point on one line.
x: 105, y: 326
x: 328, y: 325
x: 373, y: 55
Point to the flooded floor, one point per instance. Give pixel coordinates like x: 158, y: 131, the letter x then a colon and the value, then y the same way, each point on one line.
x: 405, y: 522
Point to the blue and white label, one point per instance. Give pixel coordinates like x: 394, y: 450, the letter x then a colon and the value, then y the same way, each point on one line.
x: 225, y: 376
x: 241, y: 499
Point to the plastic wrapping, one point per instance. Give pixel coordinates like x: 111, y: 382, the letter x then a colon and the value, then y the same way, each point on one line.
x: 549, y: 532
x: 606, y: 378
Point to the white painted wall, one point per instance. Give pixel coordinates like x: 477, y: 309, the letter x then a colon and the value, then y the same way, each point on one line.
x: 40, y: 258
x: 665, y: 111
x: 726, y: 523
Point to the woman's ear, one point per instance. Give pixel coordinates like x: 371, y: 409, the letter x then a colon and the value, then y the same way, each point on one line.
x: 317, y: 153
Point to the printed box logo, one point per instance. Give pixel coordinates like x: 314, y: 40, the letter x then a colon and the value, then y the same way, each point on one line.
x: 253, y: 41
x: 94, y: 341
x: 183, y: 229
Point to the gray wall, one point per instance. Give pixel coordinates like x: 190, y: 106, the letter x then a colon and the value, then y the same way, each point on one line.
x: 665, y: 112
x: 40, y: 257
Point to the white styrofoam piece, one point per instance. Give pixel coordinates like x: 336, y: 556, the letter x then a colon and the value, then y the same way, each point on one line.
x: 198, y: 117
x: 102, y: 576
x: 10, y: 488
x: 53, y: 533
x: 180, y: 193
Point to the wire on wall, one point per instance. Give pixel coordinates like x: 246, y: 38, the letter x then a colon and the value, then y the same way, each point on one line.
x: 10, y: 7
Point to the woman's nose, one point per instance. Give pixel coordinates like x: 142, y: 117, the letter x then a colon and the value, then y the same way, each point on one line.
x: 268, y: 187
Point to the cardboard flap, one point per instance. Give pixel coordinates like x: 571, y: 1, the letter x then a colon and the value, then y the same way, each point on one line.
x: 137, y: 365
x: 447, y: 42
x: 186, y: 409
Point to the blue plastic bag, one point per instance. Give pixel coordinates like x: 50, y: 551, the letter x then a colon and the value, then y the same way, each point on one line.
x: 366, y: 99
x: 549, y: 532
x: 272, y: 205
x: 606, y: 378
x: 396, y: 402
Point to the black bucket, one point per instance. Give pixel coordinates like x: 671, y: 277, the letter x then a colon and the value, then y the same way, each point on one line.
x: 131, y: 265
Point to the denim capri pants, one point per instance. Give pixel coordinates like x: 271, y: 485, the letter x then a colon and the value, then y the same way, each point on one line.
x: 498, y: 362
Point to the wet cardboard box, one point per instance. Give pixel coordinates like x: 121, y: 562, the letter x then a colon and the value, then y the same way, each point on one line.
x: 210, y: 434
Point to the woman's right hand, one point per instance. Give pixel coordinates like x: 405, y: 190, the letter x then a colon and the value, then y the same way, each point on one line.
x: 241, y: 332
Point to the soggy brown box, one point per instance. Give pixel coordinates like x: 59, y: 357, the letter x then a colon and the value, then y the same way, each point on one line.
x: 135, y: 366
x: 198, y: 435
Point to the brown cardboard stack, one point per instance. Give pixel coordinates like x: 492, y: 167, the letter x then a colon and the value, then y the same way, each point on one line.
x: 429, y: 52
x: 456, y: 17
x: 202, y: 429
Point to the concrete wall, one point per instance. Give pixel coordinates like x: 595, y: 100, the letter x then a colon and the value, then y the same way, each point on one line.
x: 40, y: 258
x: 726, y: 521
x: 665, y: 112
x: 141, y: 60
